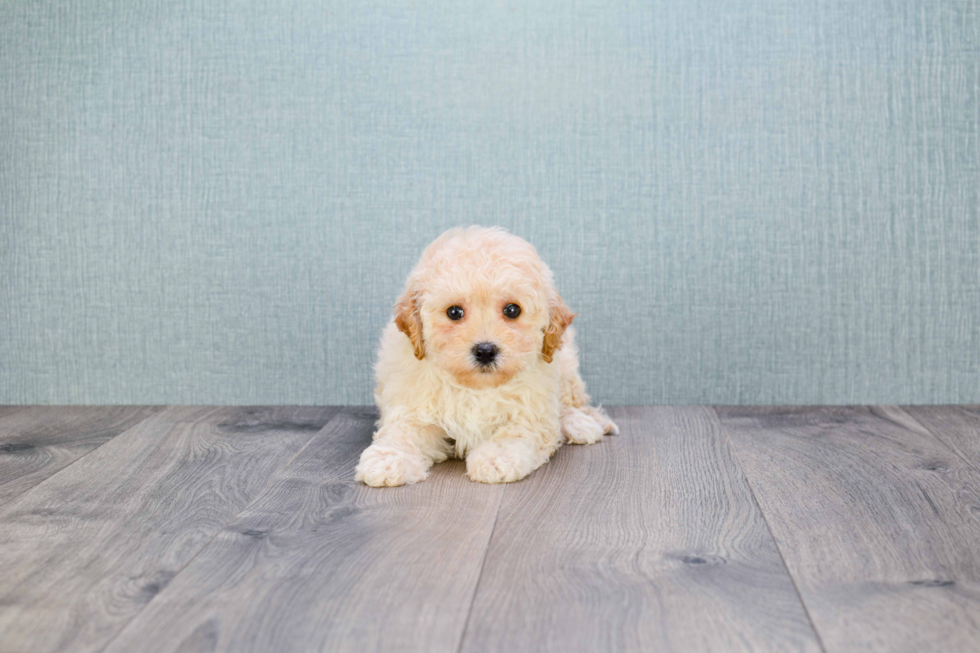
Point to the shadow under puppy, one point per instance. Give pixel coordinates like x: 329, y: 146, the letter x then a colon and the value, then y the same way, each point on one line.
x: 478, y: 362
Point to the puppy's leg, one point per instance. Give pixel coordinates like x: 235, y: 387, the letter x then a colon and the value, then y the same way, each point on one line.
x: 514, y: 452
x: 580, y: 422
x: 402, y: 452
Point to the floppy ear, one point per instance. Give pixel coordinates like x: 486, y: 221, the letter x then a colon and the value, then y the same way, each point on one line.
x: 409, y: 321
x: 561, y: 317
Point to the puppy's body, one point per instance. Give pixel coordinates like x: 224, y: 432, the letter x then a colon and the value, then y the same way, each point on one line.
x: 507, y: 412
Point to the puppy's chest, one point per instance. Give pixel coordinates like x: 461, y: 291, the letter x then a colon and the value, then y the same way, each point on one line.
x: 472, y: 417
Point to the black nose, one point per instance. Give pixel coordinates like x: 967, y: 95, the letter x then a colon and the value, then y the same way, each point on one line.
x: 484, y: 353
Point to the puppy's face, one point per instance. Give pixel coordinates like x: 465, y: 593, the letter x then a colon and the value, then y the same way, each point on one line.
x: 484, y: 335
x: 481, y: 305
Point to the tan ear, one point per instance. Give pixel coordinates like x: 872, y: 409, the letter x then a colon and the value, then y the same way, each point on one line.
x: 561, y: 317
x: 409, y: 321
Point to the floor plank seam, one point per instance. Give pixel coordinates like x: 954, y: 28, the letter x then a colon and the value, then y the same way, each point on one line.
x: 942, y: 442
x: 765, y: 520
x: 479, y: 578
x: 218, y: 532
x: 87, y: 453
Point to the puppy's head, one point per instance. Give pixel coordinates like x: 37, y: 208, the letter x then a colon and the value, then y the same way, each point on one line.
x: 483, y: 306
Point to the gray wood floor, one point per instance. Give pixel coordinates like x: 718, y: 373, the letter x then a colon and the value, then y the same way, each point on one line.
x: 241, y: 529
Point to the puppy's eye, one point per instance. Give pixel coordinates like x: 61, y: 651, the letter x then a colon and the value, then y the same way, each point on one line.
x: 454, y: 313
x: 512, y: 311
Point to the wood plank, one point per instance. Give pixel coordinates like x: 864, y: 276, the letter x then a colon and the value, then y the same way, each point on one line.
x: 83, y: 552
x: 319, y: 562
x: 874, y: 517
x: 958, y: 427
x: 37, y: 441
x: 649, y: 541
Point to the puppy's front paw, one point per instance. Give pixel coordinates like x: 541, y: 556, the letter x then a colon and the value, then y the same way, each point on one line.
x: 608, y: 426
x: 383, y: 465
x: 579, y: 427
x: 497, y: 463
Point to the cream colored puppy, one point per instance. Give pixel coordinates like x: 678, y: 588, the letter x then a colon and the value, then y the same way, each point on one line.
x: 479, y: 362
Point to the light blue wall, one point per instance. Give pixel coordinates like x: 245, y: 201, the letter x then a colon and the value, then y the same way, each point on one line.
x: 765, y: 201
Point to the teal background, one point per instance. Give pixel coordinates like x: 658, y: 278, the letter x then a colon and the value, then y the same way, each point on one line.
x: 766, y: 201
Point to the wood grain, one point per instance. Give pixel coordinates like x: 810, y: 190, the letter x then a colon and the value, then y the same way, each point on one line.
x: 203, y: 528
x: 85, y: 551
x: 958, y: 427
x: 876, y: 520
x: 649, y: 541
x: 319, y: 562
x: 37, y: 441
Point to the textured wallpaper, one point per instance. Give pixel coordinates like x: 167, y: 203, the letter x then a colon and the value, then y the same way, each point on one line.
x: 765, y: 201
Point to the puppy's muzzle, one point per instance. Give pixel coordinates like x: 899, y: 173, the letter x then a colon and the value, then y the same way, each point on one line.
x: 485, y: 353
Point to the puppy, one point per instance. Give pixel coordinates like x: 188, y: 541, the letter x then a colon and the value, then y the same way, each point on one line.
x: 479, y: 362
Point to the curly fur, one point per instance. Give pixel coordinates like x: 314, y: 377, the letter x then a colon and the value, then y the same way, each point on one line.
x: 436, y: 401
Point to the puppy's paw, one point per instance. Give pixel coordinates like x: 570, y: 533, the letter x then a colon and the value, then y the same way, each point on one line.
x: 497, y: 463
x: 383, y: 465
x: 607, y: 425
x: 580, y: 428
